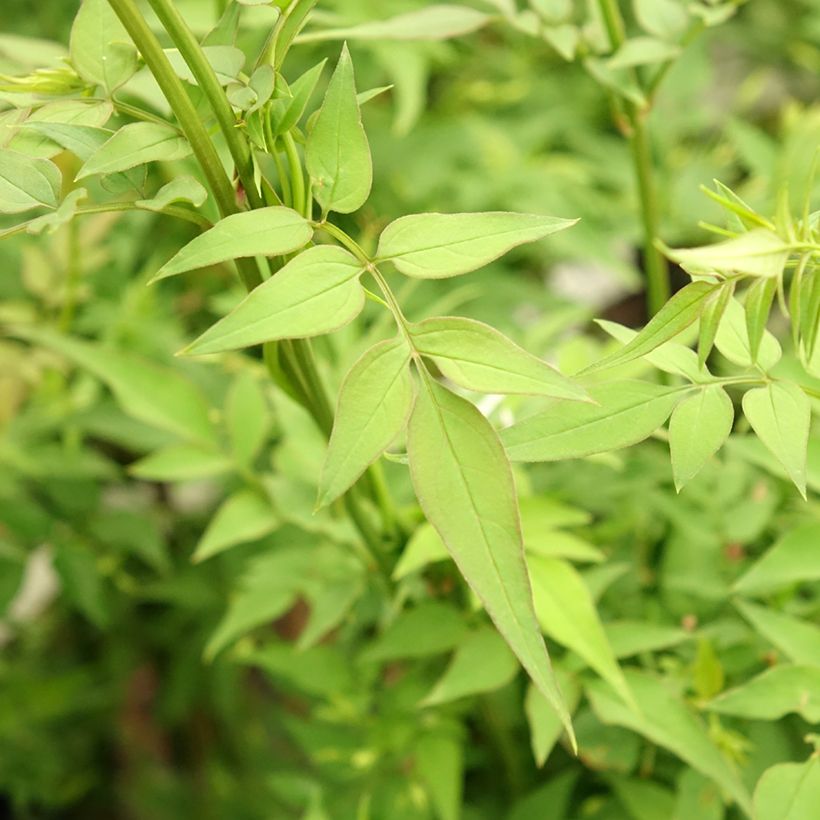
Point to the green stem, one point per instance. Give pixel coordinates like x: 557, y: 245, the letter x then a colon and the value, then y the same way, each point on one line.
x: 183, y: 38
x: 297, y: 178
x: 73, y: 273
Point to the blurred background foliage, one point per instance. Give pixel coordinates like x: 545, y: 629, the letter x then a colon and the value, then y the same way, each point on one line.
x: 107, y: 708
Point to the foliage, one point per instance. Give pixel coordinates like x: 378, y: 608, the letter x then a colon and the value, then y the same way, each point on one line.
x: 458, y: 588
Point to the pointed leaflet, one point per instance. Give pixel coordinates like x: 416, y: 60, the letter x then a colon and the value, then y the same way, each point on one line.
x: 264, y: 232
x: 697, y: 430
x: 337, y: 154
x: 732, y: 339
x: 713, y: 309
x: 798, y: 640
x: 434, y: 246
x: 466, y: 489
x: 759, y: 299
x: 374, y: 403
x: 788, y: 791
x: 626, y: 413
x: 181, y: 189
x: 478, y: 357
x: 27, y: 182
x: 780, y: 414
x: 315, y: 293
x: 676, y: 315
x: 760, y: 252
x: 135, y: 144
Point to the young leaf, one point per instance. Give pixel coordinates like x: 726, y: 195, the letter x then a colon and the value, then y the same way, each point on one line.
x: 663, y: 18
x: 181, y: 462
x: 465, y: 487
x: 82, y: 140
x: 337, y: 154
x: 732, y: 340
x: 265, y: 232
x: 286, y: 112
x: 780, y: 414
x: 100, y: 48
x: 759, y: 299
x: 713, y: 309
x: 798, y: 640
x: 793, y: 559
x: 567, y: 614
x: 374, y: 404
x: 482, y: 663
x: 436, y: 22
x: 788, y: 791
x: 135, y: 144
x: 697, y: 430
x: 643, y: 51
x: 434, y: 246
x: 682, y: 310
x: 315, y: 293
x: 247, y: 418
x: 27, y: 182
x: 624, y: 414
x: 478, y: 357
x: 181, y: 189
x: 244, y: 516
x: 33, y: 142
x: 760, y: 252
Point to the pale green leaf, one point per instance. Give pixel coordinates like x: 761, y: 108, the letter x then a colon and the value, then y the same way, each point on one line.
x: 482, y: 663
x: 247, y: 418
x: 567, y: 614
x: 626, y: 413
x: 226, y: 61
x: 375, y: 401
x: 780, y: 415
x: 773, y: 694
x: 264, y: 232
x: 434, y: 22
x: 439, y: 761
x: 795, y: 558
x: 337, y: 153
x: 759, y: 299
x: 424, y: 547
x: 545, y: 725
x: 434, y: 246
x: 665, y: 720
x: 663, y: 18
x: 682, y: 310
x: 478, y: 357
x: 466, y: 490
x: 31, y: 140
x: 732, y: 339
x: 629, y: 638
x: 27, y: 182
x: 788, y: 791
x: 181, y: 462
x: 697, y: 430
x: 180, y: 189
x: 315, y: 293
x: 135, y: 144
x: 644, y: 799
x: 760, y: 252
x: 82, y: 140
x: 287, y: 111
x: 799, y: 640
x: 64, y: 213
x: 639, y: 51
x: 100, y: 48
x: 244, y: 516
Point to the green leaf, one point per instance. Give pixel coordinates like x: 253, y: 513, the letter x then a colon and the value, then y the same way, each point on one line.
x: 439, y: 761
x: 481, y: 663
x: 244, y: 516
x: 337, y: 153
x: 780, y: 415
x: 698, y: 428
x: 65, y: 212
x: 181, y: 462
x: 100, y: 48
x: 286, y: 112
x: 135, y: 144
x: 27, y: 182
x: 732, y: 340
x: 435, y: 22
x: 759, y: 299
x: 788, y: 791
x: 226, y: 61
x: 644, y: 799
x: 315, y: 293
x: 710, y: 319
x: 466, y: 490
x: 247, y: 418
x: 374, y: 404
x: 567, y: 614
x: 643, y: 51
x: 774, y: 694
x: 434, y: 246
x: 681, y: 311
x: 181, y: 189
x: 663, y: 18
x: 478, y: 357
x: 545, y: 725
x: 82, y: 582
x: 82, y: 140
x: 793, y: 559
x: 760, y: 252
x: 430, y: 628
x: 626, y: 412
x: 147, y: 391
x: 799, y: 640
x: 668, y: 722
x: 424, y: 547
x: 32, y: 141
x: 629, y: 638
x: 264, y: 232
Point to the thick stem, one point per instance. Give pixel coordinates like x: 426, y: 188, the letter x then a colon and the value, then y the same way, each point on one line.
x: 194, y: 56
